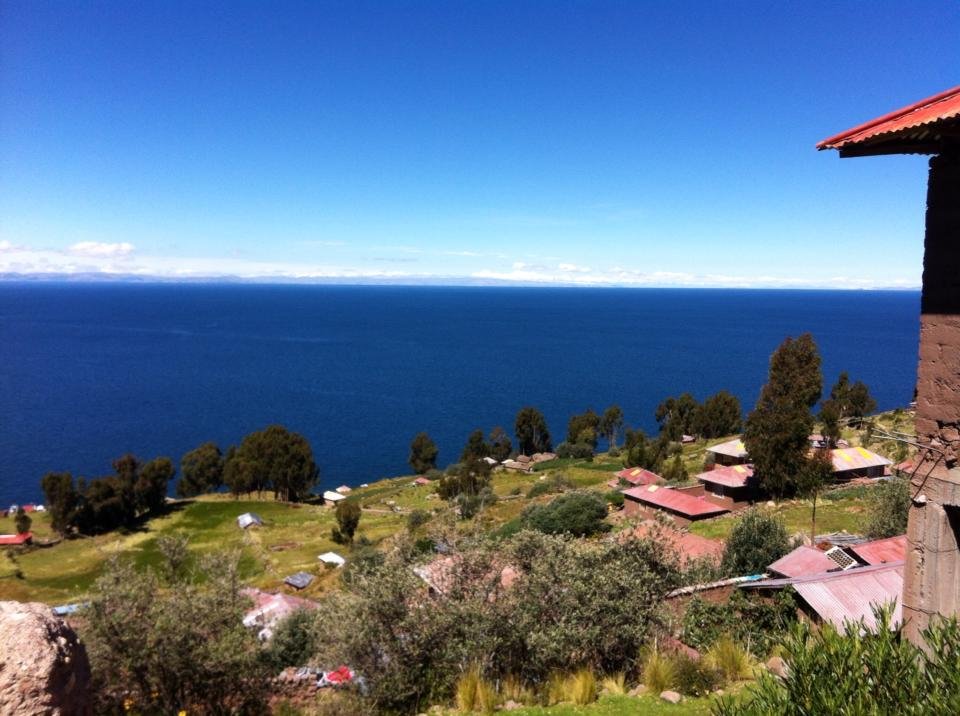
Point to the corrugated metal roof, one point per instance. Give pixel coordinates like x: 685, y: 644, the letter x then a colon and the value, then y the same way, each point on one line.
x: 639, y: 476
x: 856, y: 458
x: 847, y: 596
x: 728, y: 475
x: 802, y: 561
x: 21, y: 538
x: 892, y: 549
x: 731, y: 448
x: 915, y: 127
x: 680, y: 502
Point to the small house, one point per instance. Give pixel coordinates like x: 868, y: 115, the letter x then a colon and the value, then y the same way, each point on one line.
x: 344, y: 489
x: 732, y: 485
x: 684, y: 505
x: 638, y: 476
x: 331, y: 498
x: 421, y: 481
x: 732, y: 452
x: 249, y: 519
x: 849, y: 463
x: 803, y: 561
x: 332, y: 558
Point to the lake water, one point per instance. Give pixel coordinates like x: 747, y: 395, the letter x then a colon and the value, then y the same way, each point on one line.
x: 91, y: 371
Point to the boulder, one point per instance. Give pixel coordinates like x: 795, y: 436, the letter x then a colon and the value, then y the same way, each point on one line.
x: 672, y: 696
x: 43, y: 666
x: 777, y: 666
x: 638, y: 690
x: 511, y: 705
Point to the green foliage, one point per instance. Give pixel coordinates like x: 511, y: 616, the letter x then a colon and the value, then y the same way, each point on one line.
x: 887, y: 508
x: 776, y: 432
x: 615, y: 498
x: 584, y: 428
x: 423, y: 454
x: 416, y: 519
x: 754, y: 623
x: 851, y: 400
x: 531, y: 430
x: 201, y: 471
x: 476, y: 447
x: 557, y: 482
x: 580, y: 450
x: 500, y: 445
x: 275, y: 458
x: 470, y: 505
x: 756, y: 541
x: 611, y: 423
x: 719, y: 415
x: 474, y: 693
x: 348, y: 519
x: 468, y: 478
x: 292, y: 641
x: 674, y: 470
x: 62, y: 500
x: 22, y: 521
x: 830, y: 422
x: 694, y: 678
x: 576, y: 513
x: 649, y: 454
x: 676, y: 416
x: 142, y: 638
x: 659, y: 672
x: 150, y: 487
x: 859, y: 672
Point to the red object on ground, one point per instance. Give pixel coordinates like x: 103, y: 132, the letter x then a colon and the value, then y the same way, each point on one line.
x: 21, y: 538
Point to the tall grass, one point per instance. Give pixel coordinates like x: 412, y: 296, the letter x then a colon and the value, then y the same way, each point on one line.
x: 513, y: 688
x: 730, y: 659
x: 474, y: 693
x: 615, y: 683
x: 579, y: 688
x: 659, y: 673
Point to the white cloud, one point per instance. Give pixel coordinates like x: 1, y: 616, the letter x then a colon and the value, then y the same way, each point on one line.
x: 6, y: 246
x: 573, y: 268
x: 97, y: 248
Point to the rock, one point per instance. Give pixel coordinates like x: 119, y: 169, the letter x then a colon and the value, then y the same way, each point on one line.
x: 672, y: 696
x: 777, y: 666
x: 511, y: 705
x: 771, y: 503
x: 43, y: 666
x: 638, y: 690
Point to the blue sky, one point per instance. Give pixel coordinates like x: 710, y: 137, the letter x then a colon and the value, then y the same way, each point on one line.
x: 625, y: 143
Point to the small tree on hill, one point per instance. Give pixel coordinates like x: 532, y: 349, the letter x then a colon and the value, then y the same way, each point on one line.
x: 500, y: 445
x: 423, y: 454
x: 201, y: 470
x: 584, y: 428
x: 532, y: 433
x: 861, y: 402
x: 719, y: 415
x: 676, y: 416
x: 888, y: 508
x: 348, y: 518
x: 756, y: 541
x: 279, y: 459
x: 611, y: 424
x: 150, y: 489
x: 577, y: 513
x: 62, y: 500
x: 22, y: 521
x: 777, y: 431
x: 476, y: 447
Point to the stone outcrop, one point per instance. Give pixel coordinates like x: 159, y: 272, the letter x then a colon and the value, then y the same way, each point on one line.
x: 43, y: 666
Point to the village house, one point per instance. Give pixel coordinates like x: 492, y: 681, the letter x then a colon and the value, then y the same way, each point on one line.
x: 331, y: 498
x: 683, y: 504
x: 249, y: 519
x: 732, y: 452
x: 850, y: 463
x: 637, y: 477
x: 420, y: 482
x: 733, y: 486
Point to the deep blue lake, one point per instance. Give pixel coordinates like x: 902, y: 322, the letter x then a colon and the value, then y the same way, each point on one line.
x: 91, y: 371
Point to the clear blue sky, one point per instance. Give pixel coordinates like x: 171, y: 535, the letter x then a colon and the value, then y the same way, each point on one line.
x: 637, y: 143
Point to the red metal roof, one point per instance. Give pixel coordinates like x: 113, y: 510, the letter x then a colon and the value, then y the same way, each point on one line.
x: 728, y: 475
x: 639, y: 476
x: 679, y: 502
x: 21, y: 538
x: 848, y: 595
x: 732, y: 448
x: 802, y: 561
x: 914, y: 127
x: 856, y: 458
x: 892, y: 549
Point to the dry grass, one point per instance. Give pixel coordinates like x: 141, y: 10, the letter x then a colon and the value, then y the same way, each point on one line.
x: 659, y: 673
x: 729, y: 658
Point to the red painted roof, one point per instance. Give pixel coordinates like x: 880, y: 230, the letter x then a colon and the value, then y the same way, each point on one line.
x: 728, y: 475
x: 856, y: 458
x: 639, y: 476
x: 21, y: 538
x: 916, y: 123
x: 892, y: 549
x: 802, y: 561
x: 680, y: 502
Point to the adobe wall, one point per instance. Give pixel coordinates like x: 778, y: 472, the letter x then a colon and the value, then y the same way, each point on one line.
x: 932, y: 575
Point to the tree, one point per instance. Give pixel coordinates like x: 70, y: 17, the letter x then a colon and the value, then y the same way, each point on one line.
x: 348, y: 518
x: 476, y: 448
x: 611, y: 424
x: 840, y: 395
x: 777, y: 432
x: 62, y: 500
x: 576, y: 513
x: 861, y: 402
x: 423, y: 454
x: 674, y: 470
x: 201, y: 470
x: 468, y: 478
x: 22, y: 521
x: 238, y: 473
x: 584, y: 428
x: 719, y: 415
x: 649, y: 454
x: 888, y: 508
x: 279, y: 459
x: 173, y: 644
x: 150, y: 488
x: 531, y: 430
x: 500, y: 445
x: 756, y: 541
x: 830, y: 421
x: 816, y: 473
x: 676, y: 416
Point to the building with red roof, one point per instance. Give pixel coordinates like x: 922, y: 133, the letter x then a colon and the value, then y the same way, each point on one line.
x: 802, y: 561
x: 683, y: 504
x: 732, y: 485
x: 881, y: 551
x: 638, y: 476
x: 685, y: 545
x: 14, y: 540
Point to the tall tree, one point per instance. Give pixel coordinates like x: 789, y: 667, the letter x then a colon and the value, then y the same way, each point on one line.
x: 584, y: 428
x: 840, y: 395
x: 423, y: 454
x: 532, y: 432
x: 348, y: 518
x: 830, y: 421
x: 611, y: 424
x: 500, y: 445
x: 719, y: 415
x: 238, y: 473
x: 150, y: 489
x: 201, y: 470
x: 777, y: 431
x: 62, y: 500
x: 280, y: 459
x: 476, y: 447
x: 22, y: 521
x: 676, y: 416
x: 861, y: 402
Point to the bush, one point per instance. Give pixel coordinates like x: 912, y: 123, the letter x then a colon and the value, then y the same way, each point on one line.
x: 859, y: 672
x: 888, y: 507
x: 756, y: 541
x: 756, y: 623
x: 694, y: 678
x: 659, y: 673
x: 417, y: 519
x: 730, y: 659
x: 549, y: 485
x: 577, y: 513
x: 474, y: 693
x: 292, y: 641
x: 577, y: 451
x: 615, y: 498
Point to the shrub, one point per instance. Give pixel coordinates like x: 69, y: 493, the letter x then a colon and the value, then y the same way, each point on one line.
x: 615, y: 498
x: 577, y: 450
x: 694, y: 678
x: 577, y: 513
x: 582, y: 687
x: 417, y: 519
x: 549, y: 485
x: 730, y: 659
x: 888, y: 507
x: 756, y: 541
x: 614, y: 683
x: 659, y: 673
x: 292, y: 641
x: 756, y: 623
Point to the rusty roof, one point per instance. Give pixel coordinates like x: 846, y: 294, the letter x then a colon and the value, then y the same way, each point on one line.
x: 892, y: 549
x: 802, y: 561
x: 639, y: 476
x: 728, y: 475
x: 732, y: 448
x: 675, y: 501
x: 856, y: 458
x: 686, y: 545
x: 919, y: 128
x: 847, y: 596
